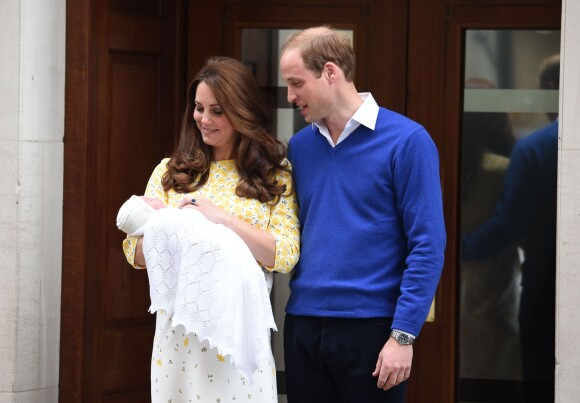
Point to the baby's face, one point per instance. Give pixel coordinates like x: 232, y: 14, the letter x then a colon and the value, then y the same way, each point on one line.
x: 153, y: 202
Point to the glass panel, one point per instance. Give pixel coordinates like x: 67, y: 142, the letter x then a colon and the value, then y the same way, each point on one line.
x: 508, y: 216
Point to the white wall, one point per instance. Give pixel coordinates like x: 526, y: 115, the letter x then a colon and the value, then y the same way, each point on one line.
x: 32, y: 48
x: 568, y: 252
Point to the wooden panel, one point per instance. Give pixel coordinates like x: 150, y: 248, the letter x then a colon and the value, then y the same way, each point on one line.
x: 127, y: 360
x: 137, y: 7
x: 387, y: 62
x: 136, y: 34
x: 127, y: 395
x: 134, y: 151
x: 296, y: 15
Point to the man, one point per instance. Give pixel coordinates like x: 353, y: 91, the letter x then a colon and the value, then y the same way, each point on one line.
x: 525, y: 216
x: 373, y: 235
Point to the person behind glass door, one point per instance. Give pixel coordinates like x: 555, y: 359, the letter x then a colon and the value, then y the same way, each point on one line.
x: 490, y: 288
x: 526, y: 216
x: 237, y: 172
x: 372, y: 231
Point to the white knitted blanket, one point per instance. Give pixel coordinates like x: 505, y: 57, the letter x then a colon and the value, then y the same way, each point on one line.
x: 204, y: 274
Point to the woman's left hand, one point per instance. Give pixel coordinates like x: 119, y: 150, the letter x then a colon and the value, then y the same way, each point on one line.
x: 209, y: 209
x: 261, y: 243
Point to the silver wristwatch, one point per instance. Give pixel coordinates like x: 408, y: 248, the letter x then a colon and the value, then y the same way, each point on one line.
x: 402, y: 338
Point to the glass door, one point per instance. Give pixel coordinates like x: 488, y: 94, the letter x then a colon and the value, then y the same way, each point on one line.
x: 508, y: 215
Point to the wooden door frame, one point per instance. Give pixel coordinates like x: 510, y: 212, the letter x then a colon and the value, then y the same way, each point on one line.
x: 77, y: 106
x: 228, y: 17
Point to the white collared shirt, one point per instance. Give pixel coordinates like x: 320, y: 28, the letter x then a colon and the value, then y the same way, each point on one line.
x: 365, y: 115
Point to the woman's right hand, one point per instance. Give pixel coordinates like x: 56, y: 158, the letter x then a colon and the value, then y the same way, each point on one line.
x: 139, y: 256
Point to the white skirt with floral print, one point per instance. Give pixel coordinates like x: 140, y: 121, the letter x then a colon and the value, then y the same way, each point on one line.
x: 185, y: 370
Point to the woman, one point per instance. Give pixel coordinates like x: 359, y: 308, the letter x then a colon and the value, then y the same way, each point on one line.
x: 232, y: 170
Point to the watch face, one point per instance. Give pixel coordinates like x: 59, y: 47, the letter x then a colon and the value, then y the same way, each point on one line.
x: 403, y: 338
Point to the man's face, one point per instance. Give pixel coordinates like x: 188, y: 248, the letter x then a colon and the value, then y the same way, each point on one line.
x: 305, y: 90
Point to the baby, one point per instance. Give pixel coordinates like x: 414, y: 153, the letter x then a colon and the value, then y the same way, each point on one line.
x: 205, y: 276
x: 135, y: 212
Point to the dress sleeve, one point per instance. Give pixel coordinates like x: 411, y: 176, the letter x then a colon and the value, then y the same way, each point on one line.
x: 154, y: 189
x: 285, y: 228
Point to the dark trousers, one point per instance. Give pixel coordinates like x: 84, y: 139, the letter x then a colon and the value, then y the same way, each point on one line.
x: 332, y: 359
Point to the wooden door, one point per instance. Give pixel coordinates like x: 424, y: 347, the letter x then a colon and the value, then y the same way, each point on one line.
x: 380, y: 34
x: 124, y: 86
x: 128, y: 63
x: 434, y: 97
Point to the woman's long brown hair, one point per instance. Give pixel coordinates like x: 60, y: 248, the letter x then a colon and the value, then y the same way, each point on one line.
x: 257, y: 152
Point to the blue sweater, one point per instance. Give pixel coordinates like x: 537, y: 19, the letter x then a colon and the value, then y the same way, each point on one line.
x: 371, y: 214
x: 526, y: 214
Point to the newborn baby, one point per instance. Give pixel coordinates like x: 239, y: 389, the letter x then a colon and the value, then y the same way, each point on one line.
x: 204, y: 274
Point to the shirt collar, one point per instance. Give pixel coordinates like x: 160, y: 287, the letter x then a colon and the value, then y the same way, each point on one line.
x: 366, y: 114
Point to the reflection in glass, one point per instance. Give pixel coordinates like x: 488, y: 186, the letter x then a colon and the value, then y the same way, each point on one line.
x: 508, y: 216
x: 261, y: 53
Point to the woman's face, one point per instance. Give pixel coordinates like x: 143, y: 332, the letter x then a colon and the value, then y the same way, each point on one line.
x: 215, y: 128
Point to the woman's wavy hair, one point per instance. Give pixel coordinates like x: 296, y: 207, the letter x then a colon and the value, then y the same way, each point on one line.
x: 258, y: 154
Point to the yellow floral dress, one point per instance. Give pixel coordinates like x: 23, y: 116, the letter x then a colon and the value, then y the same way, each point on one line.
x: 182, y: 368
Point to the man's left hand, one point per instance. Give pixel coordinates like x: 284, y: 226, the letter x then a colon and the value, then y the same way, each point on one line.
x: 393, y: 365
